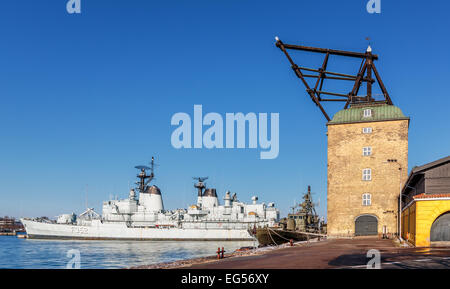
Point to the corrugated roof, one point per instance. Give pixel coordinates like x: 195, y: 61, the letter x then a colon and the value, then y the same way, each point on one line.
x: 417, y: 171
x: 431, y: 165
x: 379, y: 113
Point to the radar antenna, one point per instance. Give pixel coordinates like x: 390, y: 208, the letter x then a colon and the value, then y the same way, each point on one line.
x: 200, y: 186
x: 144, y: 178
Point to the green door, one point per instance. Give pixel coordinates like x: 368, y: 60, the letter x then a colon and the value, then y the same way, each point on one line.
x: 366, y: 226
x: 440, y: 230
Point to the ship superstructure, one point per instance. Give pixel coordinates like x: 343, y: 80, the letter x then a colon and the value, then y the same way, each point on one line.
x: 142, y: 216
x: 298, y: 226
x: 305, y: 219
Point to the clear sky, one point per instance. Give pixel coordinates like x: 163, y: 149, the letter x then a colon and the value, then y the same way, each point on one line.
x: 86, y: 97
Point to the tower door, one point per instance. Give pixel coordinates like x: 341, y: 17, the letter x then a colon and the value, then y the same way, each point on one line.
x: 366, y: 226
x: 440, y: 230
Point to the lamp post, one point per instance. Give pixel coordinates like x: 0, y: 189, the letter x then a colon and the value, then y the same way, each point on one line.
x: 399, y: 197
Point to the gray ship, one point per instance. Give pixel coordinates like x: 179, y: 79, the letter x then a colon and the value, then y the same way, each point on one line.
x: 142, y: 216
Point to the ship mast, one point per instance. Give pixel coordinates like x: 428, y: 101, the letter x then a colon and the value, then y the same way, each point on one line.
x: 200, y: 186
x: 308, y: 206
x: 144, y: 178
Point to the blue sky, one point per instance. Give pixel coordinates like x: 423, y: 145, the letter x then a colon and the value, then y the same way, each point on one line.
x: 86, y: 97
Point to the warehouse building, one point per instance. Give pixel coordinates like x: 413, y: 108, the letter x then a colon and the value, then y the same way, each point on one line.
x: 426, y: 205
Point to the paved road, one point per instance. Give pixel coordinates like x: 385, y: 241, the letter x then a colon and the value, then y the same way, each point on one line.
x: 342, y: 253
x: 419, y: 263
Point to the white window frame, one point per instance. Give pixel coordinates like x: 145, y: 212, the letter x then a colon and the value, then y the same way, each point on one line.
x: 367, y: 174
x: 366, y: 199
x: 367, y: 112
x: 367, y: 130
x: 367, y: 151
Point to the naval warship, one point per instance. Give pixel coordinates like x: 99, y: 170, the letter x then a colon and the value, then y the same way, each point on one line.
x: 142, y: 217
x: 299, y: 225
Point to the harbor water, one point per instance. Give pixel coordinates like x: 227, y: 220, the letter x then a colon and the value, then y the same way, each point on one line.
x: 18, y: 253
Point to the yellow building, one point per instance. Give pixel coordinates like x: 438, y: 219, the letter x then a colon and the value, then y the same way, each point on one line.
x: 426, y: 205
x: 363, y: 186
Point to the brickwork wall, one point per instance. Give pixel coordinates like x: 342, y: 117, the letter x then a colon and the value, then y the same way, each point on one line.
x: 388, y: 140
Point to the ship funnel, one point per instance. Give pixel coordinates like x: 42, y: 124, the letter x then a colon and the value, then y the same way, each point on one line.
x: 153, y: 190
x: 209, y: 198
x: 151, y: 199
x: 210, y: 193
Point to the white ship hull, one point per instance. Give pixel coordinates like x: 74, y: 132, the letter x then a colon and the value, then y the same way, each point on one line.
x: 143, y: 217
x: 119, y: 231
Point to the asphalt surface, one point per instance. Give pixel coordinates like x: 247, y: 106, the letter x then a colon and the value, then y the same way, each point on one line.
x: 340, y: 254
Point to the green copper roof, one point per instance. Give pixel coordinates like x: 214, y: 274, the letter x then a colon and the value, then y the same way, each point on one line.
x: 379, y: 113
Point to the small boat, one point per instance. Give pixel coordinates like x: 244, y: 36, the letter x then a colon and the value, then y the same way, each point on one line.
x: 298, y: 226
x: 276, y: 236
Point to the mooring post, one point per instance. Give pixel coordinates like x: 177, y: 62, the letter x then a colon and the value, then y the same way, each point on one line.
x: 218, y: 253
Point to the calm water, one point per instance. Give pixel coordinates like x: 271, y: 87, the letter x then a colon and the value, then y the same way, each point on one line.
x: 24, y: 253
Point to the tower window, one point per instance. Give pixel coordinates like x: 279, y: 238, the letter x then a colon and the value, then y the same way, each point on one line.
x: 367, y: 175
x: 367, y: 199
x: 367, y: 112
x: 367, y: 151
x: 367, y: 130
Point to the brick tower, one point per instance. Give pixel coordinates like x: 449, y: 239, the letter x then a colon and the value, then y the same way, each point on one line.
x: 367, y: 164
x: 367, y: 144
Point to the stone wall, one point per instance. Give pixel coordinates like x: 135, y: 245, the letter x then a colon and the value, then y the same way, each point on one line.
x: 388, y: 140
